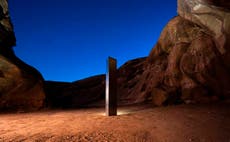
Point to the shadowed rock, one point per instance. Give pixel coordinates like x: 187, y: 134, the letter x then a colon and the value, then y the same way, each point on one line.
x: 7, y: 38
x: 76, y: 94
x: 91, y: 91
x: 21, y: 86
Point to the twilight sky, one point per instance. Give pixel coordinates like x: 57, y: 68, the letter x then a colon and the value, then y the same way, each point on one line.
x: 67, y: 40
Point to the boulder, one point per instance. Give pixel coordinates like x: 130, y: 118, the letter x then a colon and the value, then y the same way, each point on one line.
x: 159, y: 97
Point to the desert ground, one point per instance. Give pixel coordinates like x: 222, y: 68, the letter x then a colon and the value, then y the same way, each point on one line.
x: 139, y: 123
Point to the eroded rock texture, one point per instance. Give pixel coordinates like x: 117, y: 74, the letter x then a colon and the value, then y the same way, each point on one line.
x: 213, y: 15
x: 21, y: 86
x: 186, y: 64
x: 190, y: 62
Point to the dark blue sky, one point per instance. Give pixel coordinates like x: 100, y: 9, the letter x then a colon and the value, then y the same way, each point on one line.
x: 67, y: 40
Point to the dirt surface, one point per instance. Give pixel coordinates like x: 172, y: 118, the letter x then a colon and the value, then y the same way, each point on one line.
x: 182, y: 123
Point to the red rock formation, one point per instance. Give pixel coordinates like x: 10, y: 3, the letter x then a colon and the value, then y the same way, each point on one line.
x: 191, y: 67
x: 21, y: 86
x: 190, y: 62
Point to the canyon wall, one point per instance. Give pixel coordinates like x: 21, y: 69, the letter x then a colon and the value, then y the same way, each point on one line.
x: 21, y: 86
x: 190, y: 63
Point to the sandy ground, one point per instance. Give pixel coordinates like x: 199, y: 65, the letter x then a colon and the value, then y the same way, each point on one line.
x: 182, y: 123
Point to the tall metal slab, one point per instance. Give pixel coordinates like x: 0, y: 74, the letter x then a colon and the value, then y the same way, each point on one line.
x: 111, y: 87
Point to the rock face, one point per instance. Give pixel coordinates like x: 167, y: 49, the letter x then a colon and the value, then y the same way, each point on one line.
x: 130, y: 88
x: 21, y: 86
x: 7, y: 38
x: 213, y: 15
x: 190, y: 62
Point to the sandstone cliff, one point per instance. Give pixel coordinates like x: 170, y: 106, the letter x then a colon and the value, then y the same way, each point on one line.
x: 21, y: 86
x: 190, y: 63
x: 192, y: 54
